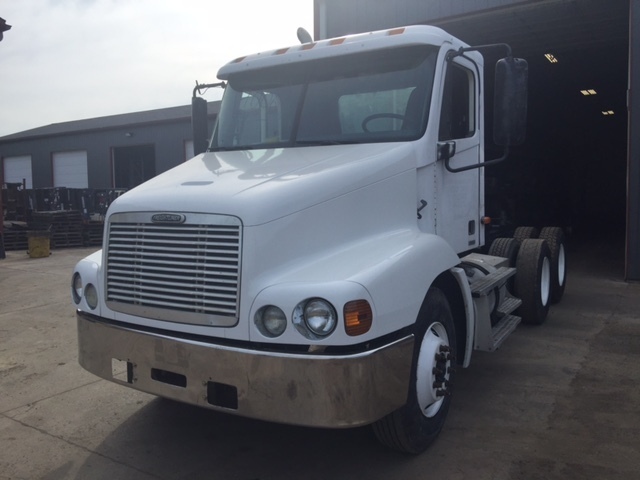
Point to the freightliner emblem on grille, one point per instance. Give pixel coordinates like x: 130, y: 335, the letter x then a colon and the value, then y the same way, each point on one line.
x: 168, y: 218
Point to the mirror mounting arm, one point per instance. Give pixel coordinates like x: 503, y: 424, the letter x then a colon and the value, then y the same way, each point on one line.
x: 480, y: 48
x: 199, y: 86
x: 510, y: 103
x: 505, y: 154
x: 200, y: 117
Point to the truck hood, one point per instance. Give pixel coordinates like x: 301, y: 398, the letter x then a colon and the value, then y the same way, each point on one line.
x: 259, y: 186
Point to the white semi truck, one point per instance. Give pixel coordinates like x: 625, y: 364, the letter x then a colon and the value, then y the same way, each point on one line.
x: 320, y: 263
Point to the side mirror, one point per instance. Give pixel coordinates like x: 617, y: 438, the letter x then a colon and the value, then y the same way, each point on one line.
x: 510, y: 101
x: 199, y: 124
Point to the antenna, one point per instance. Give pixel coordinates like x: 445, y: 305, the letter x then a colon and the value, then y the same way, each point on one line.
x: 304, y: 36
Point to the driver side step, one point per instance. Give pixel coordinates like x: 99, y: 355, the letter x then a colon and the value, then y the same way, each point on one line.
x: 484, y: 285
x: 501, y: 331
x: 490, y: 337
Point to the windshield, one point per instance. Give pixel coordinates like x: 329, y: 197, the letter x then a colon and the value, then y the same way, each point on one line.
x: 379, y: 96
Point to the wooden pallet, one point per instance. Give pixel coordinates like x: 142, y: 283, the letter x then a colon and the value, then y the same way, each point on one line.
x: 65, y: 227
x: 92, y: 234
x: 15, y: 239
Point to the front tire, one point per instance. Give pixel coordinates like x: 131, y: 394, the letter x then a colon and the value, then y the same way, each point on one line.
x: 413, y: 427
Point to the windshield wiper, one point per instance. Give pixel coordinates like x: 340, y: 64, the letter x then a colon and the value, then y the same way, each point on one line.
x: 226, y: 149
x: 325, y: 142
x: 297, y: 143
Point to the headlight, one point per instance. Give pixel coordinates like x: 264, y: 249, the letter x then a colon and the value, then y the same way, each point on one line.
x: 315, y: 318
x: 76, y: 288
x: 271, y: 321
x: 91, y: 296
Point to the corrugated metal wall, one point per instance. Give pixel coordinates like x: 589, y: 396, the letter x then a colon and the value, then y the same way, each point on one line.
x: 339, y: 17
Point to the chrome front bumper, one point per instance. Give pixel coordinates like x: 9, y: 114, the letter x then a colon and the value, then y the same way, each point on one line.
x: 311, y: 390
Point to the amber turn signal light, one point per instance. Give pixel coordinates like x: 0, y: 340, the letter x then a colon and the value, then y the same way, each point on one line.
x: 358, y: 317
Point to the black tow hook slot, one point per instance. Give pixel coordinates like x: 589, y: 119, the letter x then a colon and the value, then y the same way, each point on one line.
x: 222, y: 395
x: 170, y: 378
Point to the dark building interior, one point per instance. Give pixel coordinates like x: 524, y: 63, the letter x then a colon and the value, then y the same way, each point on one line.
x: 572, y: 169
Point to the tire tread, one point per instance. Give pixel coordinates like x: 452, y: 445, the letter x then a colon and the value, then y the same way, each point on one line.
x: 524, y: 233
x: 529, y: 264
x: 555, y: 239
x: 406, y: 430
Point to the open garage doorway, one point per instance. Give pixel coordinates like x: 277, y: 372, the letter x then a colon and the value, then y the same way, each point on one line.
x: 133, y: 165
x: 572, y: 170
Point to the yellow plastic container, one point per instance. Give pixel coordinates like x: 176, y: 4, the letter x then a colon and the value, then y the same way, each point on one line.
x: 39, y: 244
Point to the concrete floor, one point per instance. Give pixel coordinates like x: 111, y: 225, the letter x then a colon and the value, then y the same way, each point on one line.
x: 560, y: 401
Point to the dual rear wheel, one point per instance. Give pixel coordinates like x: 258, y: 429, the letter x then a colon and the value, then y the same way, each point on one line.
x: 541, y: 262
x: 533, y: 280
x: 554, y: 236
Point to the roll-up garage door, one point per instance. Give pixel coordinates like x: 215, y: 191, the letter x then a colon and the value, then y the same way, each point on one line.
x: 70, y: 169
x: 17, y: 169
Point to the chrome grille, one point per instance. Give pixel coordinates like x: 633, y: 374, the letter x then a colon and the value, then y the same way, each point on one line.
x: 184, y: 272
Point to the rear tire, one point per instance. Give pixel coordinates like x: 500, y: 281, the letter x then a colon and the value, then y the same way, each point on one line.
x: 413, y: 427
x: 533, y: 280
x: 556, y: 240
x: 522, y: 233
x: 506, y: 248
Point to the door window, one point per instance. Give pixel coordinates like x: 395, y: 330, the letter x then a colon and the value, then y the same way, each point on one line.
x: 457, y: 118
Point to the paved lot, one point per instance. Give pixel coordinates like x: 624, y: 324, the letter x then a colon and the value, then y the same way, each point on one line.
x: 560, y: 401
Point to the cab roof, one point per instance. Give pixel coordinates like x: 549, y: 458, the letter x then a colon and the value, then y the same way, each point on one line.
x: 394, y: 37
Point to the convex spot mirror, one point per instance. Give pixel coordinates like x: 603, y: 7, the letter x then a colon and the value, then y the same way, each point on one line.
x: 510, y: 101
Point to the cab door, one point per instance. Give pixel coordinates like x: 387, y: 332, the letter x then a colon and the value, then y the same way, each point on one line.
x: 459, y: 197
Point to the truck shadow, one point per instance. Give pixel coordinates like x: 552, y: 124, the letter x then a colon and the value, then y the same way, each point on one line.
x: 170, y: 440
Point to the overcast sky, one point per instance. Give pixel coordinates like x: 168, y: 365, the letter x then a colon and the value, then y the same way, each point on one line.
x: 73, y: 59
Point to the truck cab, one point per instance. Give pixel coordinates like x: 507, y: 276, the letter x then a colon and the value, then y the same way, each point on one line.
x: 318, y: 265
